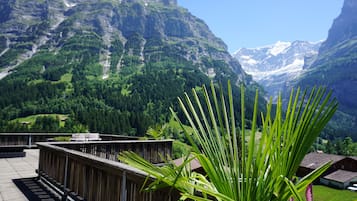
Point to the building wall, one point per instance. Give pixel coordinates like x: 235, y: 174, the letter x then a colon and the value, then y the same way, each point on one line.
x: 347, y: 164
x: 334, y: 184
x: 303, y: 171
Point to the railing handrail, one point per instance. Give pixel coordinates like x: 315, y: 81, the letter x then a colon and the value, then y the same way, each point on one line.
x: 39, y: 134
x: 30, y: 139
x: 94, y: 159
x: 112, y: 142
x: 67, y: 134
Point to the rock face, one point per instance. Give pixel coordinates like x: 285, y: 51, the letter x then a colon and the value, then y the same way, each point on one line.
x: 344, y: 27
x: 118, y: 61
x: 336, y: 68
x: 49, y: 24
x: 273, y: 66
x: 165, y: 2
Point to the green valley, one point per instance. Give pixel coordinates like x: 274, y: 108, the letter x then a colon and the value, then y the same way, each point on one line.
x: 109, y: 67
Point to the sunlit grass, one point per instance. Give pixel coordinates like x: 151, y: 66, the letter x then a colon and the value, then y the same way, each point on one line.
x: 176, y: 125
x: 66, y: 77
x: 32, y: 118
x: 324, y: 193
x: 34, y: 82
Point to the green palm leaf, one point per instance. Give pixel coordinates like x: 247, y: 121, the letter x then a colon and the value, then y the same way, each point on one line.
x: 236, y: 169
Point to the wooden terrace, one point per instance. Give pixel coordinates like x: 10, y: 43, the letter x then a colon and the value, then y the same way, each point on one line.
x: 91, y: 171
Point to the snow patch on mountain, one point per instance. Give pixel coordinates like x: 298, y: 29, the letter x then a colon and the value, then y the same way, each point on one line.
x: 69, y: 4
x: 292, y: 69
x: 279, y: 48
x: 273, y: 66
x: 247, y: 59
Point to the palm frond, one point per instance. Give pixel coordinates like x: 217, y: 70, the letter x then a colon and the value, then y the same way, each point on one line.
x: 261, y: 170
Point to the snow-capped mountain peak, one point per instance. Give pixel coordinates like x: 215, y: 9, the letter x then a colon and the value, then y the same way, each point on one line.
x: 274, y: 65
x: 279, y: 48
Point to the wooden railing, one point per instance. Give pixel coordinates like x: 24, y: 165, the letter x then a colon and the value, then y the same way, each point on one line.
x: 29, y: 140
x: 85, y: 173
x: 152, y: 150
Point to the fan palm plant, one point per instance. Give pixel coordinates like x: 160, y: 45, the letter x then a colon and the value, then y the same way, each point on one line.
x: 236, y: 170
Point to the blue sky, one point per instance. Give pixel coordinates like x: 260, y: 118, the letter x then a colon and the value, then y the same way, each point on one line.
x: 254, y: 23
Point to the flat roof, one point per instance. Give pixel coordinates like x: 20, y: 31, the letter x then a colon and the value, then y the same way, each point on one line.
x: 341, y: 176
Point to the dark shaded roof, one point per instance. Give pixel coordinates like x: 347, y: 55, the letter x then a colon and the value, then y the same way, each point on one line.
x: 341, y: 176
x: 353, y: 157
x: 314, y: 160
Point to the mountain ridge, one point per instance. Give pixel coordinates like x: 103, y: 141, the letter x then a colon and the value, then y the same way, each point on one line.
x: 274, y: 65
x: 111, y: 67
x: 127, y: 29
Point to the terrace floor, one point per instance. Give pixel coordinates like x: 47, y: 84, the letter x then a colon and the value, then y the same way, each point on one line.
x: 18, y: 179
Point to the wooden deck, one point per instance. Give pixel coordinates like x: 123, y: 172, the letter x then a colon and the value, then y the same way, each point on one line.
x: 16, y: 168
x: 80, y: 170
x: 90, y: 171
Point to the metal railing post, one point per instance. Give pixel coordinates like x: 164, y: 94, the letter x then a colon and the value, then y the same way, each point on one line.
x: 30, y: 140
x: 65, y: 193
x: 123, y: 188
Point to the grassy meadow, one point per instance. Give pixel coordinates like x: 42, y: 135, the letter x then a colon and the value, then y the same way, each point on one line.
x: 324, y: 193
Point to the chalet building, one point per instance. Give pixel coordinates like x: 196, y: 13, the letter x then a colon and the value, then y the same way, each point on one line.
x: 341, y: 174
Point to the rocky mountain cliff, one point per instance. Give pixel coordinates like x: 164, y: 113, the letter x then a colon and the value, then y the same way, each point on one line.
x: 336, y: 68
x: 110, y: 66
x: 273, y: 66
x: 30, y: 25
x: 344, y: 27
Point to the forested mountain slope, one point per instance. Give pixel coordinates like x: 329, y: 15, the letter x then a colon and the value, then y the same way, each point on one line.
x: 102, y: 65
